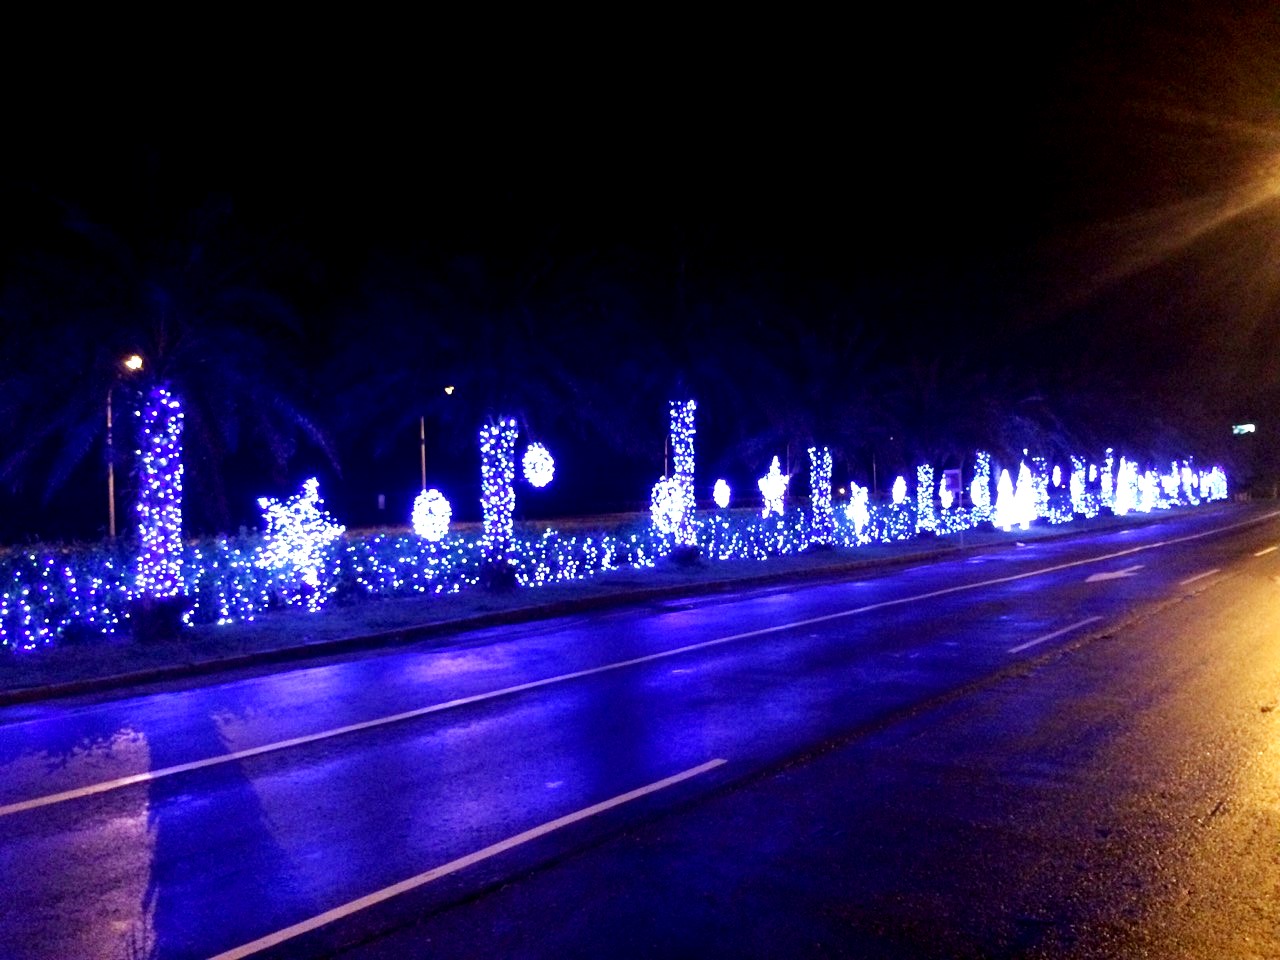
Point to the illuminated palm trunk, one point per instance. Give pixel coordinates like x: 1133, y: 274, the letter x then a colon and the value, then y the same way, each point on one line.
x: 682, y: 432
x: 159, y: 568
x: 498, y: 499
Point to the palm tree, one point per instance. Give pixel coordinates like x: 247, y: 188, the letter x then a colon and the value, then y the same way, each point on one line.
x: 196, y: 304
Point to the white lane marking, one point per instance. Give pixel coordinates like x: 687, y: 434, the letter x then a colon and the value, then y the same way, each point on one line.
x: 1198, y: 576
x: 1114, y: 574
x: 453, y: 866
x: 1263, y: 553
x: 1053, y: 636
x: 151, y: 775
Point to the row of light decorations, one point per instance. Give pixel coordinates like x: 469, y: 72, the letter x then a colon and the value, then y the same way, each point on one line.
x: 299, y: 532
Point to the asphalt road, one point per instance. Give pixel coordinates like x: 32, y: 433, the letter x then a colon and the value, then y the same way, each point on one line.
x: 1067, y: 749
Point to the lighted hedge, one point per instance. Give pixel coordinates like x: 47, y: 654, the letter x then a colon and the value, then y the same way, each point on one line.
x: 76, y: 593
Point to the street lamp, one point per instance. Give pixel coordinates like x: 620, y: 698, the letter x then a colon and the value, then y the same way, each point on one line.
x: 132, y: 363
x: 422, y: 439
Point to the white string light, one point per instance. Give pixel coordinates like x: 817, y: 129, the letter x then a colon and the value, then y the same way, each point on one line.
x: 857, y: 510
x: 666, y: 505
x: 297, y: 541
x: 431, y: 515
x: 720, y: 493
x: 773, y: 486
x: 539, y: 465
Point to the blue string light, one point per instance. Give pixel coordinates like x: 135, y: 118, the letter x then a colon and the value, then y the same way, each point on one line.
x: 50, y: 594
x: 824, y: 523
x: 682, y: 433
x: 497, y: 487
x: 926, y: 518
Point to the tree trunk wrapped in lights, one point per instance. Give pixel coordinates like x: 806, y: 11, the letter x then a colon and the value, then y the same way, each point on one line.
x: 682, y: 431
x: 824, y: 521
x: 158, y: 573
x: 926, y: 516
x: 980, y: 488
x: 498, y: 499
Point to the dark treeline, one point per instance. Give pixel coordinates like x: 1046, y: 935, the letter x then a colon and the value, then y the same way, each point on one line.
x: 287, y: 371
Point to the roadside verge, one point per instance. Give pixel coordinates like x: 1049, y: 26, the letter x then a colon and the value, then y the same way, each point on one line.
x: 295, y: 637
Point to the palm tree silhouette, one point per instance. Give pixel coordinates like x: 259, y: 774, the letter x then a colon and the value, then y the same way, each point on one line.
x: 197, y: 304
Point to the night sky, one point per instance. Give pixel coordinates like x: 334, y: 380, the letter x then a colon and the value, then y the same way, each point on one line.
x: 1084, y: 196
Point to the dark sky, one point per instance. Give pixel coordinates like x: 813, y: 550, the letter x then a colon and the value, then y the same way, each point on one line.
x: 939, y: 145
x: 969, y: 150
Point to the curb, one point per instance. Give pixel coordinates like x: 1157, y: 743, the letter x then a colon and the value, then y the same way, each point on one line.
x: 412, y: 634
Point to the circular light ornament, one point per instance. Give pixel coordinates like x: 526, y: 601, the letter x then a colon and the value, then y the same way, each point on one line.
x: 1057, y: 476
x: 720, y: 493
x: 667, y: 505
x: 539, y: 465
x: 431, y: 515
x: 899, y: 490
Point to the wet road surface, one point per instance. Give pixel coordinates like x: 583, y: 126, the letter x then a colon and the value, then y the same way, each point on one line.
x: 1065, y: 749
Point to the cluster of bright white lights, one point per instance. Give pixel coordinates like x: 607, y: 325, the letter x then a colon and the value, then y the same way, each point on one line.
x: 497, y: 487
x: 945, y: 496
x: 297, y: 542
x: 1015, y: 505
x: 773, y: 487
x: 431, y: 515
x: 1024, y: 497
x: 682, y: 431
x: 1213, y: 485
x: 899, y: 491
x: 823, y: 522
x: 720, y: 494
x: 666, y: 506
x: 1003, y: 514
x: 926, y: 517
x: 1125, y: 499
x: 539, y: 466
x: 1189, y: 484
x: 159, y: 563
x: 858, y: 511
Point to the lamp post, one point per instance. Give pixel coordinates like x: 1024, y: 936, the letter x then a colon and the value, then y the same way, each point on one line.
x: 422, y: 439
x: 132, y: 363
